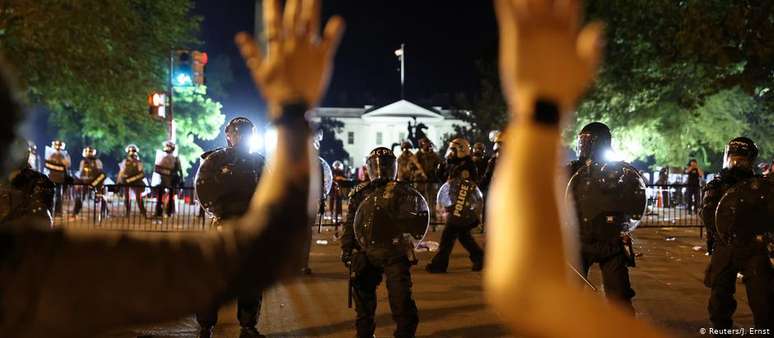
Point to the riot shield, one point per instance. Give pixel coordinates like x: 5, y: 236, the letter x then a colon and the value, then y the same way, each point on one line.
x: 462, y: 202
x: 327, y: 178
x: 746, y: 211
x: 224, y: 183
x: 613, y: 192
x: 392, y: 216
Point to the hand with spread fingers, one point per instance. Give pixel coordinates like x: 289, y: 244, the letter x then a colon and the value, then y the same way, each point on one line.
x: 544, y: 55
x: 297, y: 66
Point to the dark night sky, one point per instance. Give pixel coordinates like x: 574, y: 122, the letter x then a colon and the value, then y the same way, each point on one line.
x: 443, y: 42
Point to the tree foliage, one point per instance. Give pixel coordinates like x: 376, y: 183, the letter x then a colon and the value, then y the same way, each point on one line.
x: 196, y: 117
x: 331, y: 148
x: 92, y: 63
x: 681, y: 78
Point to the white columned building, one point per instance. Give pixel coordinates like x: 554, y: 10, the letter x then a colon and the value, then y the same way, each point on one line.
x: 370, y: 127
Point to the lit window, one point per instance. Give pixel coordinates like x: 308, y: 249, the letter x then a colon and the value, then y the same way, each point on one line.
x: 379, y: 137
x: 351, y: 137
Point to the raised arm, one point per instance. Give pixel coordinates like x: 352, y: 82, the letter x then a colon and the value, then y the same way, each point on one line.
x: 545, y: 65
x: 71, y: 284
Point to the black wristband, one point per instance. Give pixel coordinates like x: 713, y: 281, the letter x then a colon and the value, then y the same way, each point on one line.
x: 293, y: 113
x: 546, y: 112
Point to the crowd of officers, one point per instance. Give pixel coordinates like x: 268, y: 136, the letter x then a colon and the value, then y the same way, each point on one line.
x: 90, y: 177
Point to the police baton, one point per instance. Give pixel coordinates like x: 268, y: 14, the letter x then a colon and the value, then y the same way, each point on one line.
x: 582, y: 277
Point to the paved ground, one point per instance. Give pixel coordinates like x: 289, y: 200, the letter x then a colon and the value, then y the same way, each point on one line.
x: 668, y: 281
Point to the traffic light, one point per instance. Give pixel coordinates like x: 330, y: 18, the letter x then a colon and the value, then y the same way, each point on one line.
x: 182, y: 74
x: 199, y: 61
x: 157, y: 103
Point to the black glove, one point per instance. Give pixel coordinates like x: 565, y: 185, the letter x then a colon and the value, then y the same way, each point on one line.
x: 346, y: 257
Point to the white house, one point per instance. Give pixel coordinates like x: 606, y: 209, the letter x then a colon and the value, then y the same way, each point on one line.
x: 370, y: 127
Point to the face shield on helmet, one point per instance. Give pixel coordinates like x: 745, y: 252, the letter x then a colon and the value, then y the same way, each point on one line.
x: 405, y: 146
x: 425, y: 145
x: 458, y: 148
x: 337, y: 165
x: 740, y: 153
x: 58, y: 145
x: 593, y: 141
x: 169, y: 147
x: 89, y: 152
x: 479, y: 150
x: 381, y: 164
x: 239, y: 131
x: 132, y: 151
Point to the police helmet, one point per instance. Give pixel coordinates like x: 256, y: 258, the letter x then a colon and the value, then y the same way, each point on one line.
x: 381, y: 164
x: 458, y: 148
x: 593, y: 140
x: 238, y: 133
x: 740, y: 153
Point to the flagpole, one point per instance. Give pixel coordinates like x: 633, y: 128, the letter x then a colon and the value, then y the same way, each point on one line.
x: 402, y: 70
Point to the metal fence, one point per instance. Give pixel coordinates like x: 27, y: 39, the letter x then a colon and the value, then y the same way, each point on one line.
x: 128, y: 208
x: 116, y: 207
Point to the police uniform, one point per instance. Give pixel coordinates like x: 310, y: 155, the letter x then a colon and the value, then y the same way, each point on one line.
x: 601, y: 241
x: 170, y: 171
x: 370, y: 263
x: 225, y: 184
x: 91, y: 177
x: 132, y: 176
x: 429, y: 160
x: 57, y: 167
x: 457, y: 167
x: 736, y: 253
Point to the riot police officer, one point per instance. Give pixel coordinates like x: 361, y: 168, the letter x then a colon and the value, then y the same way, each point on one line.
x: 225, y: 183
x: 409, y: 169
x: 26, y: 193
x: 90, y: 175
x: 742, y: 249
x: 372, y: 255
x: 32, y: 158
x: 429, y: 160
x: 480, y: 157
x: 459, y: 166
x: 486, y: 178
x: 601, y: 239
x: 131, y: 175
x: 170, y: 173
x: 336, y: 194
x: 58, y: 171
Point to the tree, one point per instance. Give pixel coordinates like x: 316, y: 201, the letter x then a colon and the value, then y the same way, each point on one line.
x: 92, y: 63
x: 681, y: 78
x: 331, y: 148
x: 196, y: 117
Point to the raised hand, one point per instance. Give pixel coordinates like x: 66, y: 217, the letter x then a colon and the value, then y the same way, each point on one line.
x: 298, y: 64
x: 543, y: 53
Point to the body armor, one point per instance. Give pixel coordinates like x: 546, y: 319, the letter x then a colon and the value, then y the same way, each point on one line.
x: 745, y: 213
x: 132, y: 172
x: 167, y: 170
x: 57, y: 165
x: 226, y: 181
x: 91, y: 172
x: 463, y: 202
x: 393, y: 216
x: 607, y: 193
x: 28, y: 194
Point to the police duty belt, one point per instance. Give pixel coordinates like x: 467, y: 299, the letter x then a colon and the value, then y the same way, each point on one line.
x: 54, y: 166
x: 161, y: 170
x: 135, y: 178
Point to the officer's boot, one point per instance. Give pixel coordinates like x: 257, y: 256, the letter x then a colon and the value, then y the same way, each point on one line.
x: 250, y: 332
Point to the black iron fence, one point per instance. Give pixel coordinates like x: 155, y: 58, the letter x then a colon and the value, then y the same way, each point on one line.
x: 130, y: 208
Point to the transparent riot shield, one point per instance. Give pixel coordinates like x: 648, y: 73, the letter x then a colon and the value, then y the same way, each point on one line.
x: 327, y: 178
x: 614, y: 191
x: 393, y: 216
x: 461, y: 202
x: 746, y: 211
